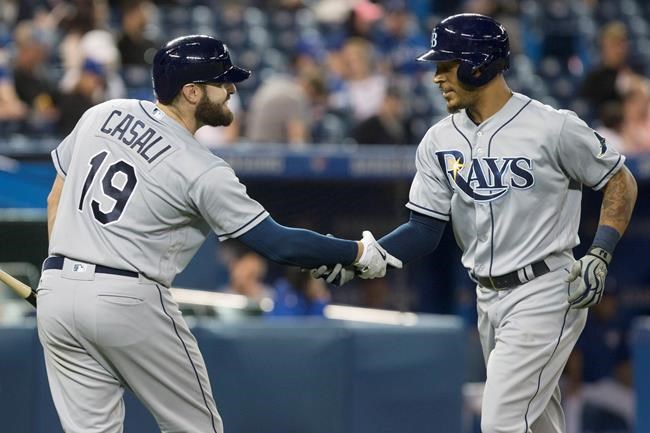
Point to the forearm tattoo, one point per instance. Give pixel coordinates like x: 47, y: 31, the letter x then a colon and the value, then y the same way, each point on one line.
x: 618, y: 201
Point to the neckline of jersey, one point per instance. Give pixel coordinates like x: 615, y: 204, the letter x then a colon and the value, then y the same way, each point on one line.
x: 164, y: 119
x: 516, y: 101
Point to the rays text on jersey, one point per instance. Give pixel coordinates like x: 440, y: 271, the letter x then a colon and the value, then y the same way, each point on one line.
x: 487, y: 178
x: 136, y: 134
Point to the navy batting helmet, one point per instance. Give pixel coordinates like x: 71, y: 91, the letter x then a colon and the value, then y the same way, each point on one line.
x: 479, y: 42
x: 193, y: 59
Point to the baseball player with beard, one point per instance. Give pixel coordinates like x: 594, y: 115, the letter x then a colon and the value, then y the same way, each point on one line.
x: 134, y: 198
x: 508, y: 171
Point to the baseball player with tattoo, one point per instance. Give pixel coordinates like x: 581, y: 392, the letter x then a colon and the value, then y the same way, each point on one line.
x: 508, y: 171
x: 134, y: 198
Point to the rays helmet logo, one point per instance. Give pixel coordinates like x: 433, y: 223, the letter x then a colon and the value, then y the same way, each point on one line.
x: 486, y: 179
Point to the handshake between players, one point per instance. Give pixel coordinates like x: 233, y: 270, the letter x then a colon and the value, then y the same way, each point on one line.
x: 373, y: 262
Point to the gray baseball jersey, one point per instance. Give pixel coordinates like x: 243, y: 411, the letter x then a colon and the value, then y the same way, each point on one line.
x: 142, y: 194
x: 512, y: 183
x: 512, y: 188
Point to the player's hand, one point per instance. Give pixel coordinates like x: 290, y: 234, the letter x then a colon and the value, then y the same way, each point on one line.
x: 375, y: 259
x: 591, y: 270
x: 337, y: 275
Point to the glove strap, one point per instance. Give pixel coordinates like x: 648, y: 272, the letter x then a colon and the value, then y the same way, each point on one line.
x: 601, y: 254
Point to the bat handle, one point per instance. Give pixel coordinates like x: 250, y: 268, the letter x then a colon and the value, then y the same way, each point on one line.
x: 32, y: 298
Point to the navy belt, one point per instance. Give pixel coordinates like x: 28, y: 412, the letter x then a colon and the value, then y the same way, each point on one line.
x: 56, y: 262
x: 514, y: 278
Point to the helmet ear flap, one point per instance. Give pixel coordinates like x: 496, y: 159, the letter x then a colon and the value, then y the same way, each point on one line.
x: 466, y: 76
x: 488, y: 70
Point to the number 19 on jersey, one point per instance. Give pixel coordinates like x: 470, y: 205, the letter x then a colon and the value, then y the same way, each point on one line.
x: 117, y: 183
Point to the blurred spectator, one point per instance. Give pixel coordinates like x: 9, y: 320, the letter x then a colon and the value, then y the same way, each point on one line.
x: 388, y: 126
x: 134, y: 47
x: 298, y: 294
x: 99, y: 46
x: 86, y: 36
x: 332, y: 12
x: 310, y: 52
x: 11, y: 107
x: 30, y: 76
x: 611, y: 78
x: 635, y: 130
x: 599, y: 371
x: 361, y: 19
x: 282, y: 108
x: 346, y: 18
x: 87, y: 92
x: 363, y: 89
x: 80, y: 18
x: 14, y: 11
x: 221, y: 136
x: 399, y: 40
x: 247, y: 274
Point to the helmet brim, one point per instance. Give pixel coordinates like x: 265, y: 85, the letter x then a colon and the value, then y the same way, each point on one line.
x: 234, y: 74
x: 434, y: 55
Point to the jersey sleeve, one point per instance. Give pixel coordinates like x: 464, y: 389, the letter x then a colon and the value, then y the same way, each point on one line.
x: 585, y: 155
x: 430, y: 192
x: 223, y: 202
x: 62, y: 154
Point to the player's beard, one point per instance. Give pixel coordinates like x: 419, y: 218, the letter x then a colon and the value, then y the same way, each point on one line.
x: 212, y: 114
x: 455, y: 106
x: 463, y: 100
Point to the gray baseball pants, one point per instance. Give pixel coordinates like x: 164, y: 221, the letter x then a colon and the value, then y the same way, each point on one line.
x: 527, y: 334
x: 102, y: 333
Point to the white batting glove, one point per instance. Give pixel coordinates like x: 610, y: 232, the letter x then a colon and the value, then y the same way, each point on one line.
x: 592, y: 271
x: 337, y: 275
x: 374, y: 259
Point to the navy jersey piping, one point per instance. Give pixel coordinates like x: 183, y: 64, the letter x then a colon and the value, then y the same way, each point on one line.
x: 509, y: 120
x: 162, y: 304
x: 246, y: 224
x: 491, y: 212
x: 491, y: 240
x: 427, y: 209
x: 149, y: 115
x: 539, y: 377
x: 469, y: 144
x: 56, y: 153
x: 607, y: 174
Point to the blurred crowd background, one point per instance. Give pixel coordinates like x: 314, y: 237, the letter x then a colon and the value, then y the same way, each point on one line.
x: 333, y: 70
x: 344, y: 72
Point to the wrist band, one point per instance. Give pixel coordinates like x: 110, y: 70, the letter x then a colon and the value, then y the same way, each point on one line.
x: 606, y: 238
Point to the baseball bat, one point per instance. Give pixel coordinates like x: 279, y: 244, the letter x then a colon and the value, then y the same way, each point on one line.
x: 21, y: 289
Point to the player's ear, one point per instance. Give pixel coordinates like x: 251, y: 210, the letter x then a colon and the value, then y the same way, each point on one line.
x: 192, y: 92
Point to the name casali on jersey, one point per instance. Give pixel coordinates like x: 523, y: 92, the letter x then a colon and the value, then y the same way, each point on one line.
x: 136, y: 134
x: 487, y: 178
